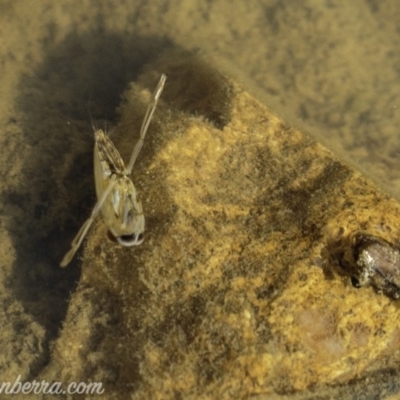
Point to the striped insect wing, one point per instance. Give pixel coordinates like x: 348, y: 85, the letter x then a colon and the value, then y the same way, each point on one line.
x: 122, y: 211
x: 107, y: 161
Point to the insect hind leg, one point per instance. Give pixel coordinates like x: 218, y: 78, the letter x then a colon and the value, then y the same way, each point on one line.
x: 77, y: 241
x: 146, y: 122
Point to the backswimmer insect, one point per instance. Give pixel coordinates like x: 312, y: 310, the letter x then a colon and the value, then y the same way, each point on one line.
x: 117, y: 197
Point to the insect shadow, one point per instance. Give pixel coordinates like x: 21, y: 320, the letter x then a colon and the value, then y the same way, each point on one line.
x: 57, y: 177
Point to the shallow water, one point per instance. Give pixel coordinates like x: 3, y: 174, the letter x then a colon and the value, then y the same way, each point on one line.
x: 330, y: 68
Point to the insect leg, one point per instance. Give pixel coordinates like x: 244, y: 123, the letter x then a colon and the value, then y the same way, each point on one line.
x: 87, y: 224
x: 146, y: 122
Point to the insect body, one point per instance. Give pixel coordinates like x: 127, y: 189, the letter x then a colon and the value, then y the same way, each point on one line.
x: 116, y: 194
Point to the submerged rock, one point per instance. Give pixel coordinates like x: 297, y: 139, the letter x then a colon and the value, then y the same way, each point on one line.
x: 237, y: 289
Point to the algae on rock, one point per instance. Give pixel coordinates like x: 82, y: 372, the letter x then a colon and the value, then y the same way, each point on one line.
x: 228, y: 295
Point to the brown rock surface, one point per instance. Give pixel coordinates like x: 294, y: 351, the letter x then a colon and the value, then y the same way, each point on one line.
x: 228, y: 296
